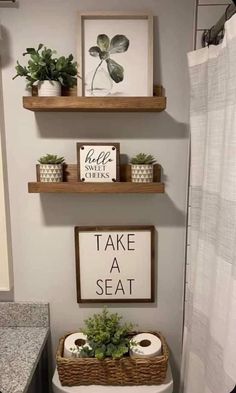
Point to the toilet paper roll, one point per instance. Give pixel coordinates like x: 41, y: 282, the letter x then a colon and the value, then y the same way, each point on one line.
x: 74, y: 343
x: 146, y: 346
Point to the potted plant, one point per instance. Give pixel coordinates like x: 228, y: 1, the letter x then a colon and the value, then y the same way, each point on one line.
x: 107, y: 336
x: 51, y: 168
x: 142, y: 168
x: 47, y: 72
x: 68, y: 72
x: 104, y: 359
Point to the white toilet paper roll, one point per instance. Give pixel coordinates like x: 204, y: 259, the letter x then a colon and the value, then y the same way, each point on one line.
x: 74, y: 343
x: 147, y: 346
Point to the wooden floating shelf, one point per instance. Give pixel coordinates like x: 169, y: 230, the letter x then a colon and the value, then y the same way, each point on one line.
x: 71, y: 184
x: 95, y: 104
x: 98, y: 188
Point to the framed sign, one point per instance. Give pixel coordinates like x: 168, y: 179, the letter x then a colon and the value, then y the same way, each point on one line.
x: 115, y: 264
x: 98, y: 162
x: 115, y: 54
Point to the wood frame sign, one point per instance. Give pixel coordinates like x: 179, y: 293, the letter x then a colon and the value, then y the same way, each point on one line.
x: 98, y: 162
x: 115, y: 264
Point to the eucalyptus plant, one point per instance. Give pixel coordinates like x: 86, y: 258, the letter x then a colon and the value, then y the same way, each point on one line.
x: 104, y: 49
x: 51, y: 159
x: 143, y: 159
x: 107, y: 336
x: 43, y: 65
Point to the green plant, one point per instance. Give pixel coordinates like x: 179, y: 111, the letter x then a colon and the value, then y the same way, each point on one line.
x: 107, y: 336
x: 43, y: 66
x: 67, y: 69
x: 51, y: 159
x: 143, y: 159
x: 118, y: 44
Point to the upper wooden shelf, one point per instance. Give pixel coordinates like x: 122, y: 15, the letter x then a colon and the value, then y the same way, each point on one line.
x: 95, y: 104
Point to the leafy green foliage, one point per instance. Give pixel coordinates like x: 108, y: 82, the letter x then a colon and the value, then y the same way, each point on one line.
x: 42, y: 65
x: 116, y: 71
x: 107, y: 336
x: 118, y: 44
x: 143, y: 159
x: 67, y: 71
x: 51, y: 159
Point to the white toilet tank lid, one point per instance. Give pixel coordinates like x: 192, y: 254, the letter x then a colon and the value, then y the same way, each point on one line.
x: 166, y: 387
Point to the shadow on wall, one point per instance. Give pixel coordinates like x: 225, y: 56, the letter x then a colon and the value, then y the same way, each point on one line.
x: 156, y: 51
x: 109, y: 125
x: 7, y: 296
x: 5, y: 51
x: 138, y: 208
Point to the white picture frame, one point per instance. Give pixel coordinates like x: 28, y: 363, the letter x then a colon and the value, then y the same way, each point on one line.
x: 115, y: 264
x: 137, y: 28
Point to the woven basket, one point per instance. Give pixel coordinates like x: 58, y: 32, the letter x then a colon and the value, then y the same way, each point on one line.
x: 124, y: 371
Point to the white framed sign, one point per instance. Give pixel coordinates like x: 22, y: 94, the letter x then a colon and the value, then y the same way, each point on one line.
x: 115, y: 264
x: 98, y: 162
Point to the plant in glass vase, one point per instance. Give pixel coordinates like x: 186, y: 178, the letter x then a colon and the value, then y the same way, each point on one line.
x: 103, y: 50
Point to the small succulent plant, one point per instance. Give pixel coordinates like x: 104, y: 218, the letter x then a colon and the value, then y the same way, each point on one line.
x: 107, y: 336
x: 51, y: 159
x: 143, y: 159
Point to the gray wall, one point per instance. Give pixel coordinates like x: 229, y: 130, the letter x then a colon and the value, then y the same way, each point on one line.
x: 42, y: 225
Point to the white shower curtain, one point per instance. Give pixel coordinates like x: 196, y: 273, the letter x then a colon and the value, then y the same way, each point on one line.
x: 210, y: 317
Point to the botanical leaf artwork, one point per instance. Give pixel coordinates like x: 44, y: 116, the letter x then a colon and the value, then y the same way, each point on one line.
x: 106, y: 47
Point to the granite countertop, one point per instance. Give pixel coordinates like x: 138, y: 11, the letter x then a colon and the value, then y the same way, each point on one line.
x: 23, y: 333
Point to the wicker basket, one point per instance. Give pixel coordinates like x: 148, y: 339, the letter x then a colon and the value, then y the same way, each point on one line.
x: 124, y: 371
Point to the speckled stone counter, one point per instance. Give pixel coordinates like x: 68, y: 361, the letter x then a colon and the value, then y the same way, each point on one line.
x: 24, y: 329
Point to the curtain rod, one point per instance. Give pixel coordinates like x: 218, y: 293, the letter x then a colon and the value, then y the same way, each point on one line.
x: 215, y: 34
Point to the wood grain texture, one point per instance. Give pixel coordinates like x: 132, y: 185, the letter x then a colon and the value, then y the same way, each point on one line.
x: 96, y: 188
x: 95, y: 104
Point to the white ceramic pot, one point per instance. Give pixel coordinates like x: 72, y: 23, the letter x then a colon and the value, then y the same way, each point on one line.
x: 49, y: 88
x: 51, y: 173
x: 142, y: 173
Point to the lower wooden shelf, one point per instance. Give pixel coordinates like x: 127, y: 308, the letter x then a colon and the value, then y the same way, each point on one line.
x: 98, y: 188
x: 70, y: 183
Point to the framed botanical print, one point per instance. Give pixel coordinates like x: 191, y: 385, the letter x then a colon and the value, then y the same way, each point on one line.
x: 115, y: 54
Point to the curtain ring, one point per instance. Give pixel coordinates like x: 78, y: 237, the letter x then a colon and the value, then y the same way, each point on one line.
x: 209, y: 36
x: 204, y: 38
x: 226, y: 12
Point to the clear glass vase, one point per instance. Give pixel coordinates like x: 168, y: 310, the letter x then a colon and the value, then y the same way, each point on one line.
x: 98, y: 83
